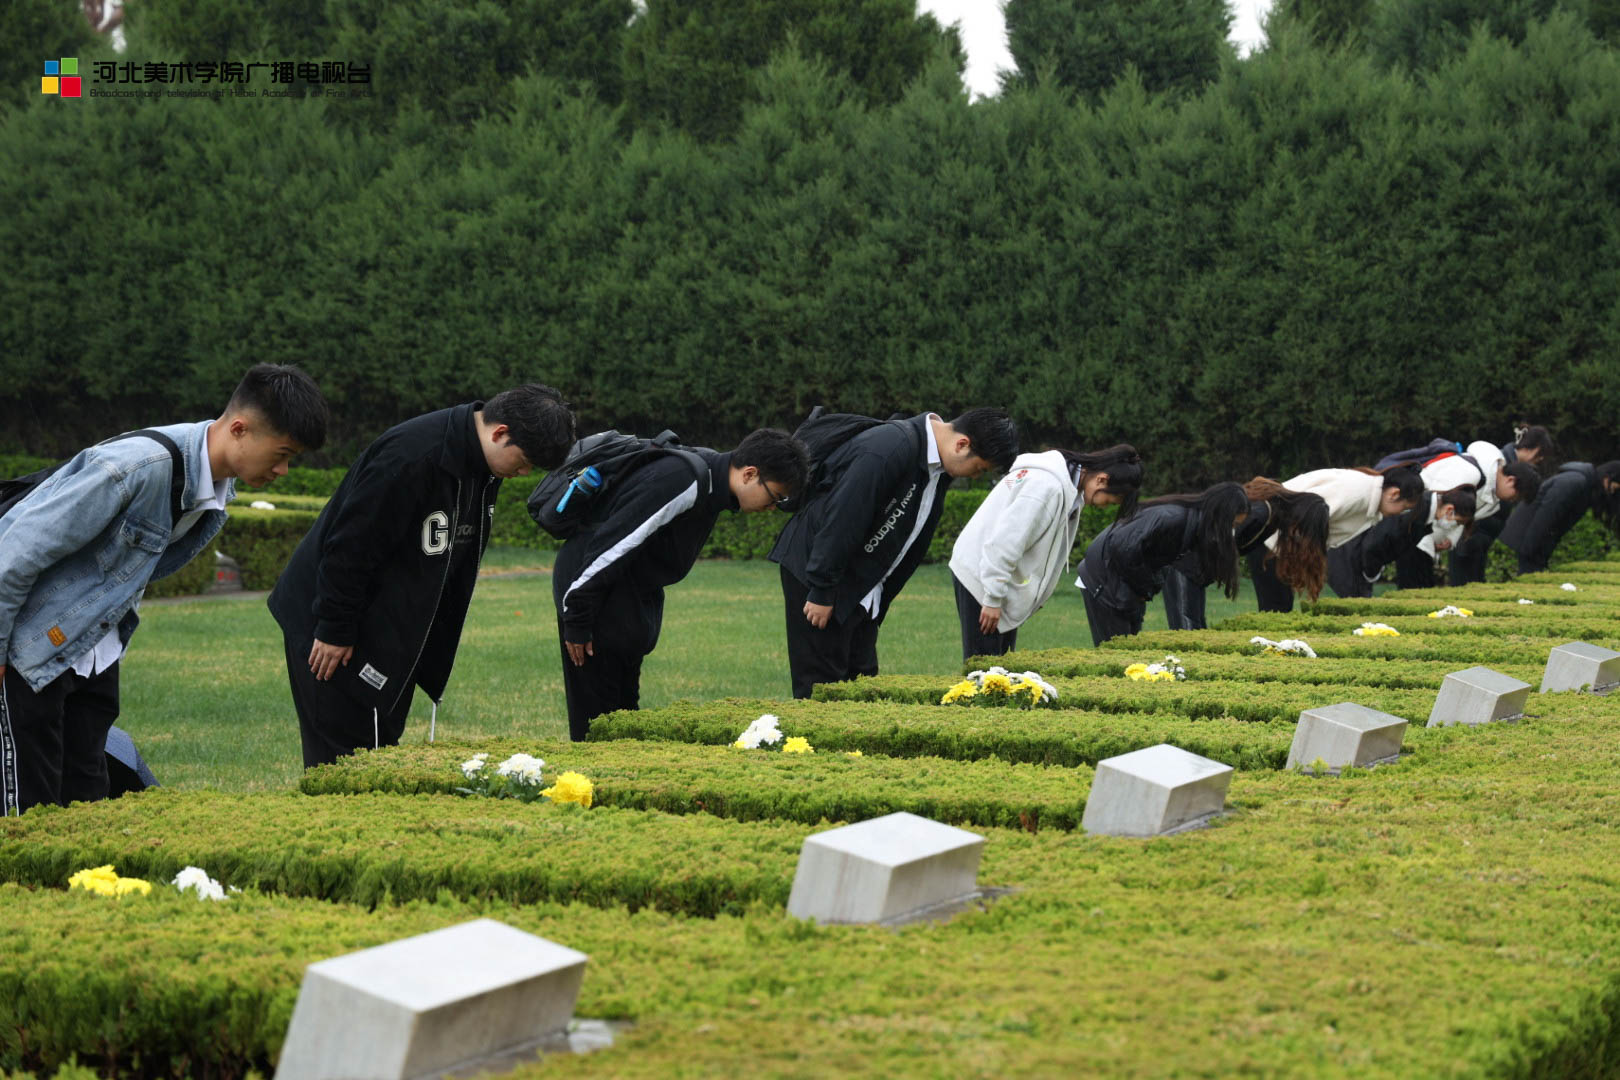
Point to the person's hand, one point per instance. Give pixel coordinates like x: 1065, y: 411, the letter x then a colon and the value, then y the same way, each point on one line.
x: 324, y: 659
x: 578, y: 651
x: 1442, y: 545
x: 2, y: 672
x: 989, y: 619
x: 817, y: 614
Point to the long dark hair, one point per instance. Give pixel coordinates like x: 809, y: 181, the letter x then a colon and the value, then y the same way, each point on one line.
x: 1606, y: 504
x: 1217, y: 507
x: 1124, y: 468
x: 1301, y: 521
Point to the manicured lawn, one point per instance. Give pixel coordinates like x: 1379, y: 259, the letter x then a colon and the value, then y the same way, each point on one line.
x: 205, y: 685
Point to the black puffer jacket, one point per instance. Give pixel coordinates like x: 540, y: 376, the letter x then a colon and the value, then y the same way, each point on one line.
x: 1535, y: 528
x: 1124, y: 566
x: 391, y: 563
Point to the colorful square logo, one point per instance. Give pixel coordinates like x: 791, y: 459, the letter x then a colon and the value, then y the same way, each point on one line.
x: 62, y: 78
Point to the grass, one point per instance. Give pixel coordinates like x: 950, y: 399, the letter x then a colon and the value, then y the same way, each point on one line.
x: 205, y: 694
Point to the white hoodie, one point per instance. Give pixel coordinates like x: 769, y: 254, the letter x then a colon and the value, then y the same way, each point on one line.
x: 1454, y: 472
x: 1016, y: 546
x: 1352, y: 499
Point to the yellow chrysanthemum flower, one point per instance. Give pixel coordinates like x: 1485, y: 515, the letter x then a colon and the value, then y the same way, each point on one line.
x: 1136, y: 671
x: 798, y: 744
x: 104, y: 881
x: 739, y: 745
x: 961, y: 691
x: 571, y: 787
x: 995, y: 683
x: 853, y: 753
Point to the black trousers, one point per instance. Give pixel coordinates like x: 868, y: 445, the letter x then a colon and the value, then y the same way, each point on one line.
x: 332, y: 724
x: 1183, y: 602
x: 1392, y: 540
x: 53, y: 743
x: 608, y: 680
x: 837, y: 653
x: 1269, y: 591
x: 1468, y: 557
x: 1107, y: 622
x: 974, y: 641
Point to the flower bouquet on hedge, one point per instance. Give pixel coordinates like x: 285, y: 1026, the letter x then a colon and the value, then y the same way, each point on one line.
x: 1452, y: 611
x: 765, y: 732
x: 1000, y: 688
x: 519, y: 777
x: 1375, y: 629
x: 1167, y: 670
x: 1285, y: 647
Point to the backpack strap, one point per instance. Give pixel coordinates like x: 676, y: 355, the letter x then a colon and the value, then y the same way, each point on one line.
x: 177, y: 471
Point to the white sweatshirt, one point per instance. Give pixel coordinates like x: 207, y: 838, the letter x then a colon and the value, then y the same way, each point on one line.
x: 1352, y: 500
x: 1454, y: 472
x: 1016, y: 546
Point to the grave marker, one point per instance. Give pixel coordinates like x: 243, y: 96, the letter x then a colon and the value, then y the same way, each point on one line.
x: 1478, y: 696
x: 888, y: 869
x: 1153, y: 791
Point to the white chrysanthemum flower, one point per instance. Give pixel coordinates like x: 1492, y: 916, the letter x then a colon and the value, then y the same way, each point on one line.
x: 763, y: 730
x: 1568, y: 586
x: 521, y: 767
x: 1522, y: 600
x: 197, y: 879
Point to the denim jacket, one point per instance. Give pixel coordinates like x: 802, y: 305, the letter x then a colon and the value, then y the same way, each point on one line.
x: 76, y: 554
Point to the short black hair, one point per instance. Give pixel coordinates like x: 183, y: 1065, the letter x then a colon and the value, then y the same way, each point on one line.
x: 1526, y: 480
x: 991, y: 433
x: 1407, y: 482
x: 287, y: 398
x: 1535, y: 437
x: 537, y: 420
x: 780, y: 458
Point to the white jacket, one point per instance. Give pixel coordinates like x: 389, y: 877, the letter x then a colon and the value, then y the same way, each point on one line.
x: 1352, y: 499
x: 1016, y: 546
x: 1454, y: 472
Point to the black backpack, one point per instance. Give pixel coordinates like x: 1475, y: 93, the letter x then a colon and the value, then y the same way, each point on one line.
x: 566, y: 498
x: 1420, y: 456
x: 16, y: 490
x: 823, y: 432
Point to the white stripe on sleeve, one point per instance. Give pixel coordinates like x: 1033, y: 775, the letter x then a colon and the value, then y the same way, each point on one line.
x: 666, y: 513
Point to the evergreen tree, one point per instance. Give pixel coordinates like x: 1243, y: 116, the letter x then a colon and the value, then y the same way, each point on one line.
x: 689, y: 64
x: 1086, y: 45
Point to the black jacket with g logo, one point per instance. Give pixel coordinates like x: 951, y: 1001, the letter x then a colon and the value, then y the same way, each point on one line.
x: 390, y: 565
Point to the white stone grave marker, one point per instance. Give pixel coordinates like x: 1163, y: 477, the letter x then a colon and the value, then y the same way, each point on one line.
x: 884, y: 870
x: 1579, y: 666
x: 1478, y: 696
x: 1346, y: 734
x: 424, y: 1004
x: 1156, y: 790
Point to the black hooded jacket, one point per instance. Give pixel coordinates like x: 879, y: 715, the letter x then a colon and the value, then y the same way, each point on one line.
x: 609, y: 580
x: 390, y: 565
x: 844, y: 540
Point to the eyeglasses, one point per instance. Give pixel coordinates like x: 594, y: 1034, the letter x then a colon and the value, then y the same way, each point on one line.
x: 779, y: 500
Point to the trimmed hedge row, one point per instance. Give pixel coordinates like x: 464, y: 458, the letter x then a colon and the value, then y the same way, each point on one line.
x: 1463, y: 649
x: 1592, y: 623
x: 1265, y: 668
x: 382, y: 849
x: 745, y: 785
x: 1285, y: 938
x: 1196, y: 700
x: 1046, y: 736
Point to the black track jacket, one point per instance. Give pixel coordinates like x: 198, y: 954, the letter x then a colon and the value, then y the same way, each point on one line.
x: 390, y: 564
x: 609, y: 579
x: 845, y: 538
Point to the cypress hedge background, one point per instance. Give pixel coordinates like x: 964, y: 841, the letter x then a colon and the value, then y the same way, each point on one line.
x: 1305, y: 257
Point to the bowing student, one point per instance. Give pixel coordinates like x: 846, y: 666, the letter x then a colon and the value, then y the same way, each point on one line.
x: 1533, y: 445
x: 1565, y: 497
x: 1008, y: 559
x: 1295, y: 526
x: 1125, y: 565
x: 1357, y: 499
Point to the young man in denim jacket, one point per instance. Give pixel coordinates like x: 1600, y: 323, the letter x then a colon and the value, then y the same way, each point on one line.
x: 76, y: 555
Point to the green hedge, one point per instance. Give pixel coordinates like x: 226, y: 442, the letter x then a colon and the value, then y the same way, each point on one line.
x: 1592, y: 623
x: 1203, y: 666
x: 1285, y: 939
x: 746, y: 785
x: 380, y: 849
x: 1463, y: 649
x: 1066, y: 737
x: 263, y: 541
x: 1194, y: 699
